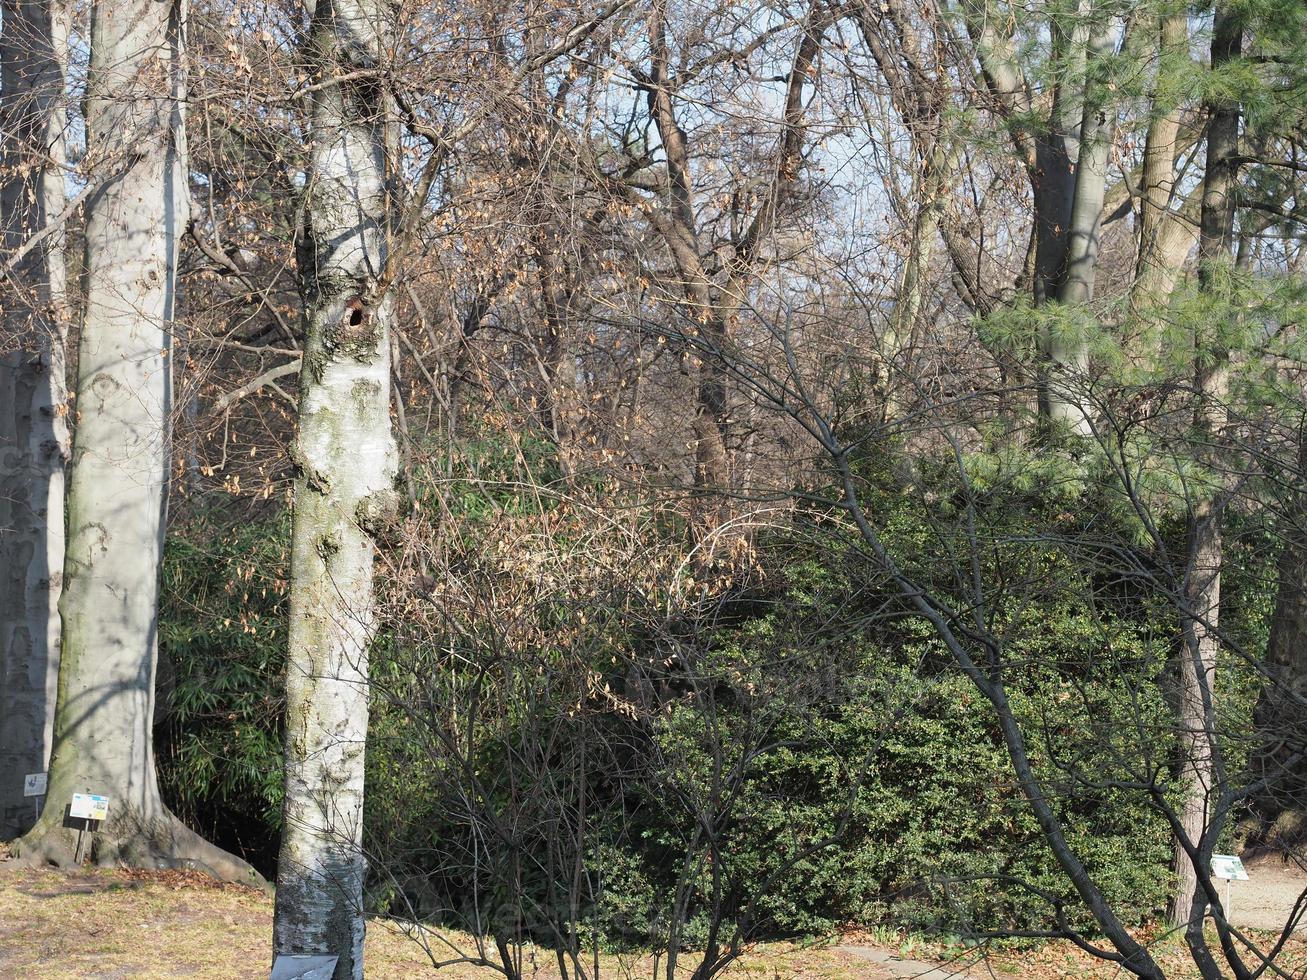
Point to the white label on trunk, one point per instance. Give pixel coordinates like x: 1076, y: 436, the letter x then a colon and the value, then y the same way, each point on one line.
x: 1229, y: 867
x: 87, y: 806
x: 34, y: 783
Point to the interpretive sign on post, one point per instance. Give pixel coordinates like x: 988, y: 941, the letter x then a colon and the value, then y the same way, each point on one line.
x: 1229, y: 867
x: 34, y: 784
x: 295, y: 967
x: 88, y: 806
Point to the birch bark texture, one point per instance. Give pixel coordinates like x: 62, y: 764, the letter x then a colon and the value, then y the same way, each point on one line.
x: 119, y: 469
x: 33, y: 396
x: 345, y: 493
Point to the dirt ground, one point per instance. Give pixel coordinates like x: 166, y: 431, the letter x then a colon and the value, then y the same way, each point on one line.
x: 1265, y: 900
x: 119, y: 925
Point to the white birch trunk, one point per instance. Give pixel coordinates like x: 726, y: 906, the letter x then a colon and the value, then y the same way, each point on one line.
x: 344, y: 491
x: 118, y: 479
x: 33, y: 397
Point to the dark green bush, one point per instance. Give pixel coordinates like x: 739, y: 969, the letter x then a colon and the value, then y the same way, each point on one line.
x: 845, y: 769
x: 222, y: 645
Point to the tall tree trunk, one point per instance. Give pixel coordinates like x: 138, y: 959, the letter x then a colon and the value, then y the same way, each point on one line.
x: 33, y: 399
x: 344, y: 492
x: 1055, y: 185
x: 1165, y: 238
x: 704, y: 363
x: 1202, y: 592
x: 920, y: 90
x: 712, y: 305
x: 117, y: 488
x: 1069, y: 356
x: 558, y: 407
x: 931, y: 194
x: 1057, y: 148
x: 1281, y: 713
x: 1053, y: 182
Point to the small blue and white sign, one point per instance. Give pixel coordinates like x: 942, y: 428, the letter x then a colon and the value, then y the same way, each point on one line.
x: 88, y: 806
x: 34, y: 783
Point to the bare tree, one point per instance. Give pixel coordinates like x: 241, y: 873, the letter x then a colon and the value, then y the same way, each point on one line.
x: 346, y: 465
x: 1200, y: 764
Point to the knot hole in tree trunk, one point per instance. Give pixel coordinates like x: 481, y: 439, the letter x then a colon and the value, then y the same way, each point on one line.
x: 355, y: 311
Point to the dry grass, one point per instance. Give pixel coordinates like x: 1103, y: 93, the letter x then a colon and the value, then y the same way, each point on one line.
x: 115, y: 925
x: 118, y: 925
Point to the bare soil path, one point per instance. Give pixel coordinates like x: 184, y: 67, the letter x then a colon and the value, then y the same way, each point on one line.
x: 1267, y: 898
x: 1263, y: 905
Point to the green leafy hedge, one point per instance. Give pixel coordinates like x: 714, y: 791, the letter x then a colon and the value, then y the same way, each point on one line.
x: 875, y: 785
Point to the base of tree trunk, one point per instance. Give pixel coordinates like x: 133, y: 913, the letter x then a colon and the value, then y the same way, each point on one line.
x: 164, y: 843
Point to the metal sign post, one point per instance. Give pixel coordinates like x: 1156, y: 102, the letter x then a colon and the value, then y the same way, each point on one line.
x: 34, y: 785
x: 1229, y: 868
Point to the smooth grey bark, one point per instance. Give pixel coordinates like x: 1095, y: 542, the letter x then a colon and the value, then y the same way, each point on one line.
x: 1057, y: 148
x: 118, y: 477
x: 344, y: 491
x: 1069, y: 356
x: 1050, y: 155
x: 1197, y: 694
x: 1166, y: 236
x: 33, y: 396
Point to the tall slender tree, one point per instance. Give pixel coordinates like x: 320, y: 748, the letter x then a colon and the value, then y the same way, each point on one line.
x: 714, y: 279
x: 33, y: 399
x: 1166, y: 229
x: 1202, y: 581
x: 1062, y: 136
x: 344, y: 489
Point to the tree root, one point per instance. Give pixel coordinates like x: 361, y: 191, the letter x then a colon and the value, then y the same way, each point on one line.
x: 164, y: 843
x: 39, y: 850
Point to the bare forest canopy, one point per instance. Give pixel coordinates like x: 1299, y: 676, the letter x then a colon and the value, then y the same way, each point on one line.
x: 660, y: 476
